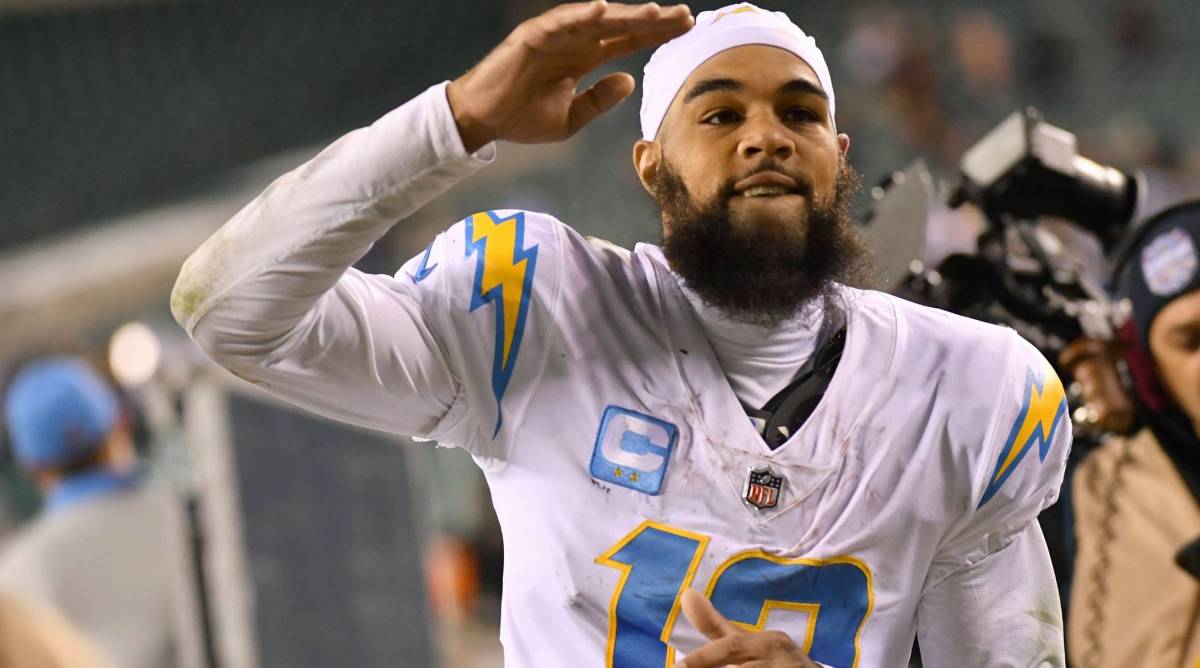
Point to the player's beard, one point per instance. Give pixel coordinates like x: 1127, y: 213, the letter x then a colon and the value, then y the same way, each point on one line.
x: 756, y: 271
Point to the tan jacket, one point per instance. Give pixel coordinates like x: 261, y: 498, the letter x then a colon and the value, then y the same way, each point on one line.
x: 1131, y: 605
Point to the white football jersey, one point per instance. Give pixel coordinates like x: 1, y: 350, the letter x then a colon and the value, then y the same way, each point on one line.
x: 624, y: 469
x: 621, y: 464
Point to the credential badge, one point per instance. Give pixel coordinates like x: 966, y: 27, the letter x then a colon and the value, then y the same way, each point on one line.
x: 763, y: 488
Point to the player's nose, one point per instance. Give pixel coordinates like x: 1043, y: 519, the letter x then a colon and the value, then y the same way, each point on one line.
x: 765, y: 136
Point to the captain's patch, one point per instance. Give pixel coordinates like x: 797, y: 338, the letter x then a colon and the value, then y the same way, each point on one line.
x: 633, y: 450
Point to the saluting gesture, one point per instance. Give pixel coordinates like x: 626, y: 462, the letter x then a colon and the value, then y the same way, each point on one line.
x: 525, y: 90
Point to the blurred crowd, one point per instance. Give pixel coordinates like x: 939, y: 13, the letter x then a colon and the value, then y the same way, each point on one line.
x: 96, y: 568
x: 931, y: 81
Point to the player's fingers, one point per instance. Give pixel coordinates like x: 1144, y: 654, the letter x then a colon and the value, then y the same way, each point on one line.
x: 642, y: 19
x: 603, y: 20
x: 749, y: 650
x: 602, y: 96
x: 735, y: 649
x: 701, y: 613
x: 619, y: 47
x: 572, y: 12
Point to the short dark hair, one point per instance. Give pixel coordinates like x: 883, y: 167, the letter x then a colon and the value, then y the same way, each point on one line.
x: 90, y: 460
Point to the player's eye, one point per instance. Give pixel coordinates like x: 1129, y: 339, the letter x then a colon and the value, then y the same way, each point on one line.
x: 1188, y: 342
x: 801, y: 115
x: 720, y: 117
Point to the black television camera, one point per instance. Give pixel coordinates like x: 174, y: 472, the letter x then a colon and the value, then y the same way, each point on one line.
x: 1014, y: 271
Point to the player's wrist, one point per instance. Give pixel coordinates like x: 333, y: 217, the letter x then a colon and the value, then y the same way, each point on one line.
x: 475, y: 134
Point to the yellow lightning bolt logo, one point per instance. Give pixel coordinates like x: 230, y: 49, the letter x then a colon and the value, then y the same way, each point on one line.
x: 1041, y: 415
x: 503, y: 278
x: 739, y: 10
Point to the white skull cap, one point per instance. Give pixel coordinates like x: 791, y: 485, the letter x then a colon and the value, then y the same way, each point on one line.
x: 714, y: 32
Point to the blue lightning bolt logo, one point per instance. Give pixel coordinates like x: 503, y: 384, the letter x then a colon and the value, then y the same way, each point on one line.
x: 425, y: 269
x: 1044, y: 409
x: 503, y: 278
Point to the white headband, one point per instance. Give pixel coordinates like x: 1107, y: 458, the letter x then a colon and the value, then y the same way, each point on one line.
x: 714, y: 32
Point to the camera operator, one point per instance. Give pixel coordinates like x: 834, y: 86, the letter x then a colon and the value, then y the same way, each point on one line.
x: 1135, y: 498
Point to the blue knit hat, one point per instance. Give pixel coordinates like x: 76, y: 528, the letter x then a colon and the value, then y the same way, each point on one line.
x: 57, y: 410
x: 1162, y: 264
x: 1158, y: 264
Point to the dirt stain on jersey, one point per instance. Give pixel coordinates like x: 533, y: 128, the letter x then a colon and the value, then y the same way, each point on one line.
x: 198, y: 275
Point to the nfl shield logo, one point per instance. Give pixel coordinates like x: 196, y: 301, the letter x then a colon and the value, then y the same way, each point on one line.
x: 763, y: 488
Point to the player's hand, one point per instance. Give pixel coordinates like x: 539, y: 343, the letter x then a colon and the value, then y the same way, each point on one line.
x: 733, y: 646
x: 524, y: 90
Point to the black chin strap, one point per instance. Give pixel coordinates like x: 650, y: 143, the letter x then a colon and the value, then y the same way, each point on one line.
x: 786, y: 412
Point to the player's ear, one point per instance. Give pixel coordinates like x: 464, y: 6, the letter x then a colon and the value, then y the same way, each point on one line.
x: 843, y: 141
x: 646, y: 155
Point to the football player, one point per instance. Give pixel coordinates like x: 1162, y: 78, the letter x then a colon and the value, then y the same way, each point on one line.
x: 714, y: 448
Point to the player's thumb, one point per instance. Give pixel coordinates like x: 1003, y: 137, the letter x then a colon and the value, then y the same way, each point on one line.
x: 602, y: 96
x: 701, y: 613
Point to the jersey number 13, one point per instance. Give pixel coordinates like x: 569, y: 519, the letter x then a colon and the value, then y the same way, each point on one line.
x: 657, y: 562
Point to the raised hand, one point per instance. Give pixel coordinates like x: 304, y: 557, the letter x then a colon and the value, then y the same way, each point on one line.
x: 731, y: 645
x: 525, y: 89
